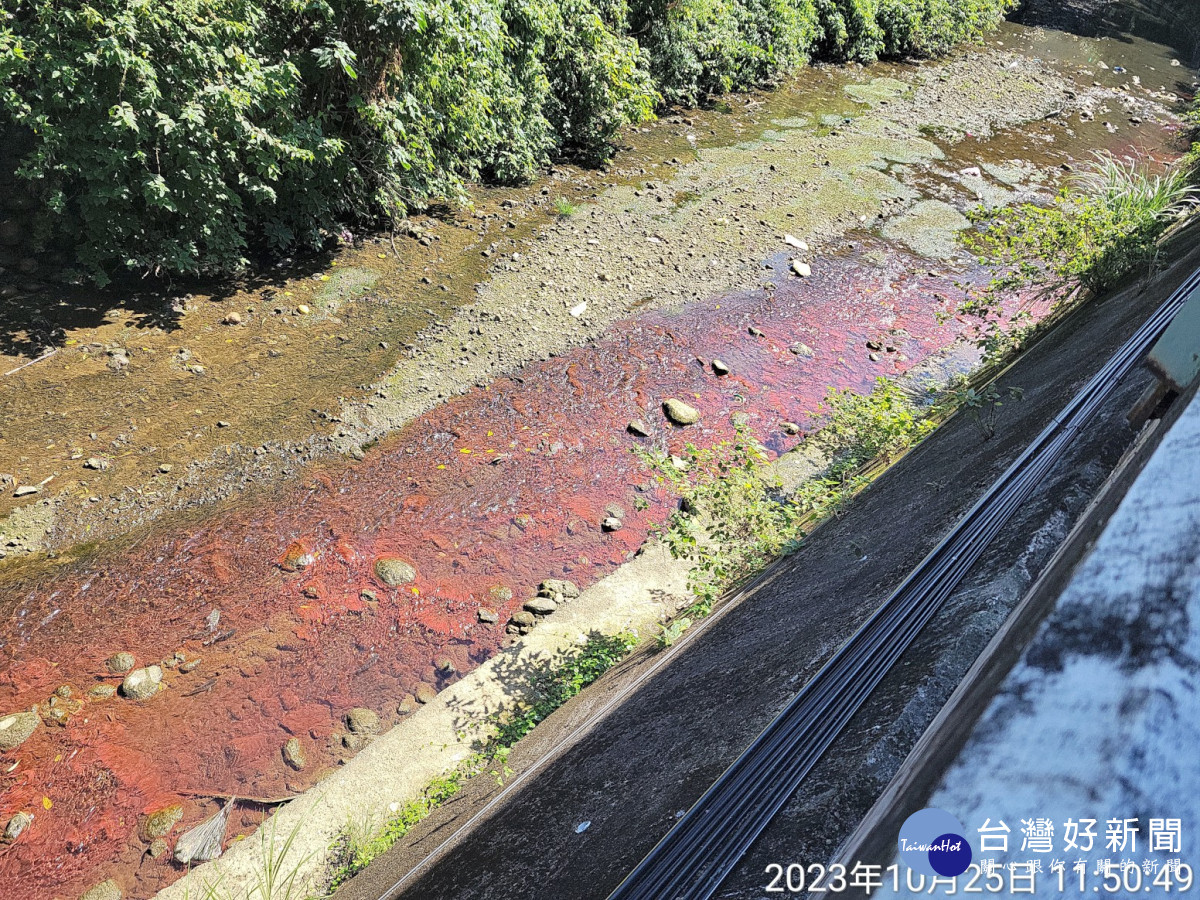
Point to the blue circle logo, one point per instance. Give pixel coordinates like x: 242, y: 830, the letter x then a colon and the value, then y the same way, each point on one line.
x: 932, y: 844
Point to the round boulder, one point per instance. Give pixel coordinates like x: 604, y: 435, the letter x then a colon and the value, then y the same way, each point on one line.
x: 159, y: 823
x: 393, y: 571
x: 16, y: 826
x: 540, y: 606
x: 142, y: 684
x: 680, y: 413
x: 293, y: 754
x: 15, y: 729
x: 120, y: 663
x: 362, y: 721
x: 425, y: 693
x: 105, y: 890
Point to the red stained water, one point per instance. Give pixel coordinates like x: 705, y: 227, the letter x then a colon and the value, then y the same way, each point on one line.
x: 505, y: 486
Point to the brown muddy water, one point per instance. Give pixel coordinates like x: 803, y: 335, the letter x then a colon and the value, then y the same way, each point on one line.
x: 267, y: 613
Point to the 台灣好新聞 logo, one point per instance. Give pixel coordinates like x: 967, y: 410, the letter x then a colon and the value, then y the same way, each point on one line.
x: 932, y: 843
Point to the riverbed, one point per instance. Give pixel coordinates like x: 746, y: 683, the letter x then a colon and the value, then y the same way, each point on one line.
x: 469, y: 405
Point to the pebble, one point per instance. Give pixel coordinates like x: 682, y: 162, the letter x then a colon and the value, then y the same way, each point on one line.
x: 302, y: 310
x: 25, y: 490
x: 680, y: 413
x: 102, y: 692
x: 801, y: 268
x: 393, y: 571
x: 801, y: 349
x: 16, y: 826
x: 612, y: 523
x: 406, y: 705
x: 232, y: 319
x: 99, y: 463
x: 120, y: 663
x: 362, y: 721
x: 638, y: 427
x: 795, y: 243
x: 105, y: 890
x: 158, y: 824
x: 719, y: 368
x: 540, y: 606
x: 487, y: 617
x: 142, y: 684
x: 558, y: 588
x: 789, y: 428
x: 293, y: 754
x: 16, y: 728
x: 425, y: 693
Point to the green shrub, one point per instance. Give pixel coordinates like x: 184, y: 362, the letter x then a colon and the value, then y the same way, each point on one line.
x: 733, y: 518
x: 932, y: 27
x: 698, y: 48
x: 173, y: 136
x: 1104, y: 224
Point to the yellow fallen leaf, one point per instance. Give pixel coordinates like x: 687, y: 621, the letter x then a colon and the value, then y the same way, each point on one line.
x: 465, y: 450
x: 383, y: 256
x: 416, y: 591
x: 489, y: 434
x: 58, y: 757
x: 441, y: 467
x: 47, y: 803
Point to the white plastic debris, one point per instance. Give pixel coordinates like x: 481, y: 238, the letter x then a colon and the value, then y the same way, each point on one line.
x: 204, y: 841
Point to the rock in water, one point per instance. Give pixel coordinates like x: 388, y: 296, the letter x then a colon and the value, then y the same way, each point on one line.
x: 362, y: 721
x: 680, y: 413
x: 16, y: 728
x: 105, y: 890
x: 142, y: 684
x: 393, y: 571
x: 159, y: 823
x: 120, y: 663
x: 425, y: 693
x: 204, y: 841
x: 558, y: 589
x: 16, y: 826
x: 293, y: 754
x: 541, y: 606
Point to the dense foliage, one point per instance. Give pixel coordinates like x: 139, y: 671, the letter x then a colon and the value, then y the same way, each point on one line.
x: 1105, y: 223
x: 735, y: 515
x: 172, y: 135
